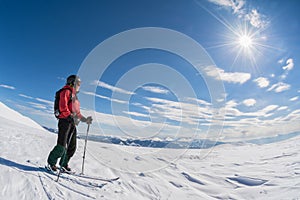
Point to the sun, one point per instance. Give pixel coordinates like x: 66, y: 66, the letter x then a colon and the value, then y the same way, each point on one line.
x: 243, y: 44
x: 245, y: 41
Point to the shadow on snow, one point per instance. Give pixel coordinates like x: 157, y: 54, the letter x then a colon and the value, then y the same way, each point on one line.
x: 13, y: 164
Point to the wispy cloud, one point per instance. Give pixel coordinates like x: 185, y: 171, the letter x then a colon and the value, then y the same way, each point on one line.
x: 283, y: 108
x: 154, y: 89
x: 230, y: 77
x: 37, y: 109
x: 249, y: 102
x: 279, y: 87
x: 184, y: 112
x: 129, y: 127
x: 112, y: 88
x: 238, y: 8
x: 61, y: 78
x: 104, y: 97
x: 280, y: 61
x: 237, y: 124
x: 38, y: 105
x: 49, y: 103
x: 262, y: 82
x: 137, y: 114
x: 199, y: 101
x: 7, y: 86
x: 45, y: 101
x: 26, y: 96
x: 294, y: 98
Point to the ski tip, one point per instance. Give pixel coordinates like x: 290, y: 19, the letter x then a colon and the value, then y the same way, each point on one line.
x: 115, y: 179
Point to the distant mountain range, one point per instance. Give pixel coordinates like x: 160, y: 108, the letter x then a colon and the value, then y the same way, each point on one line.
x: 156, y: 143
x: 178, y: 143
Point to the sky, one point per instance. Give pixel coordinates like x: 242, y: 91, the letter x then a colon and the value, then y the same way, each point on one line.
x: 243, y: 84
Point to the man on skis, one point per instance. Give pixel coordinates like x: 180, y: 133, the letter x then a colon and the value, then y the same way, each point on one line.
x: 68, y: 117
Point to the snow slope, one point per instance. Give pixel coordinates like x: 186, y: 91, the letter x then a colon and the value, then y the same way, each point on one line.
x: 12, y: 115
x: 269, y: 171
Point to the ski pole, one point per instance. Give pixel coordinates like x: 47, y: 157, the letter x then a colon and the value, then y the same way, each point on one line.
x: 83, y: 157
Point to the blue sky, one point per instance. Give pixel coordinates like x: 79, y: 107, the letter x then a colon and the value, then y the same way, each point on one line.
x: 254, y: 46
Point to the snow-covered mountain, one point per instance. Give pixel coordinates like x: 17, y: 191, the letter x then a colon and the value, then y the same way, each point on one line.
x: 8, y: 113
x: 189, y: 143
x: 247, y: 171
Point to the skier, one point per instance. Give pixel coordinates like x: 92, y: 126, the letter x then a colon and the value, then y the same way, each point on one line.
x: 68, y: 117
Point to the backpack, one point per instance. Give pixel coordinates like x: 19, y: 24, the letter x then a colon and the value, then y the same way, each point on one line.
x: 56, y: 101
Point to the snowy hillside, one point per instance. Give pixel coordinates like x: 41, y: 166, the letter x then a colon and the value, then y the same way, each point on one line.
x: 270, y: 171
x: 12, y: 115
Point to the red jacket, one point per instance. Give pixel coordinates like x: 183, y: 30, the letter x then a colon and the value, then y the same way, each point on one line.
x: 67, y: 108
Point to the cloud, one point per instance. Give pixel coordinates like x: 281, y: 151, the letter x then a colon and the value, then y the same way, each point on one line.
x: 283, y: 76
x: 126, y: 126
x: 38, y: 105
x: 25, y: 96
x: 50, y: 103
x: 289, y: 64
x: 45, y: 101
x: 236, y: 6
x: 262, y: 82
x: 255, y: 18
x: 104, y: 97
x: 294, y: 98
x: 199, y: 101
x: 7, y: 87
x: 184, y: 112
x: 112, y: 88
x: 283, y: 108
x: 136, y: 114
x: 288, y: 67
x: 249, y: 102
x: 37, y: 110
x: 279, y: 87
x: 269, y: 108
x: 220, y: 74
x: 153, y: 89
x: 237, y: 124
x: 61, y: 78
x: 281, y: 61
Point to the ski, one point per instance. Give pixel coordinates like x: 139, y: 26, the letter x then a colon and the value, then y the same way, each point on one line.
x: 93, y: 177
x: 65, y: 176
x: 74, y: 180
x: 46, y: 169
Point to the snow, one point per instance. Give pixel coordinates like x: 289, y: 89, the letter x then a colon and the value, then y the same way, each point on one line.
x: 248, y: 171
x: 12, y: 115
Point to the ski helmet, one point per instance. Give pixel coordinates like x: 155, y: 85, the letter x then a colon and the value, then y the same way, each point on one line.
x: 72, y: 80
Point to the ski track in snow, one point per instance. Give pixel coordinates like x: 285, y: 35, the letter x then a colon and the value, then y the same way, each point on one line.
x: 247, y: 171
x: 62, y: 183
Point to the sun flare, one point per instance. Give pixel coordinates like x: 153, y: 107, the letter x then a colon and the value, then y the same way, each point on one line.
x: 245, y: 41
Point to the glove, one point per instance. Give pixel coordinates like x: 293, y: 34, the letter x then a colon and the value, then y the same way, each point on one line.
x: 87, y: 120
